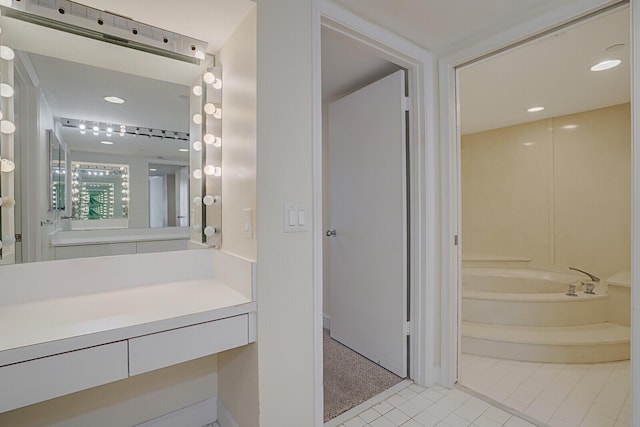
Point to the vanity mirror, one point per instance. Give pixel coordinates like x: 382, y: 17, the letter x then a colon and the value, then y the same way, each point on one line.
x: 117, y: 136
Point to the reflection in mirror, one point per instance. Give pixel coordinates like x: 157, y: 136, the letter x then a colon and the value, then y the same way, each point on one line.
x: 115, y: 164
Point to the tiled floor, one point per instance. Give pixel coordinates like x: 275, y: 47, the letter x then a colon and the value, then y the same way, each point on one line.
x: 415, y: 406
x: 592, y: 395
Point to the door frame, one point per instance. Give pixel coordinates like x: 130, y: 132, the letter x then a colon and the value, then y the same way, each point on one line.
x: 422, y: 183
x: 450, y: 145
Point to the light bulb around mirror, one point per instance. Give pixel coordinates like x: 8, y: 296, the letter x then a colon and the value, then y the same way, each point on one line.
x: 209, y: 139
x: 197, y: 146
x: 217, y: 142
x: 209, y: 108
x: 197, y: 174
x: 208, y: 77
x: 6, y: 91
x: 208, y: 200
x: 197, y: 118
x: 7, y: 127
x: 197, y: 90
x: 209, y: 169
x: 7, y: 53
x: 209, y: 231
x: 217, y: 84
x: 199, y: 54
x: 7, y: 165
x: 218, y: 113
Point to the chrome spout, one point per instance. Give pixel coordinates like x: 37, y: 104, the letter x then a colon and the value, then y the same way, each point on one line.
x: 591, y: 276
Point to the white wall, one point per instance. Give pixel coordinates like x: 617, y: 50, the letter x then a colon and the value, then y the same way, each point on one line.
x: 554, y: 195
x: 238, y: 369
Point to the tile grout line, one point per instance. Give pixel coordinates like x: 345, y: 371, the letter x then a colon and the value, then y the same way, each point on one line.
x: 499, y: 405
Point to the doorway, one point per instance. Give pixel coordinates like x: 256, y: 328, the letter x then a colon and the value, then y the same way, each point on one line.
x: 365, y: 259
x: 534, y: 119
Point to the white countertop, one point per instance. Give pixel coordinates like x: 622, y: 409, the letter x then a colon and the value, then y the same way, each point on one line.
x: 41, y: 328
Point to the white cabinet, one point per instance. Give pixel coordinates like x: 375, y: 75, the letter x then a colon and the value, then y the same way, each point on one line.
x: 167, y: 348
x: 22, y: 384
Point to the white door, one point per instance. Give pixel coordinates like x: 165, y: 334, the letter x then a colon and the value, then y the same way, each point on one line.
x: 367, y: 254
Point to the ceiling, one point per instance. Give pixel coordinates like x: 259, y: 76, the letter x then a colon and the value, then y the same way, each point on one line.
x: 553, y: 72
x: 213, y: 21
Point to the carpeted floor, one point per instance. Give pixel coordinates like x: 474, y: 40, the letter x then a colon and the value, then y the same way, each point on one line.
x: 350, y: 379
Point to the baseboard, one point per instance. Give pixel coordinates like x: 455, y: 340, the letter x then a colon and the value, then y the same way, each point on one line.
x: 225, y: 419
x: 326, y: 321
x: 196, y: 415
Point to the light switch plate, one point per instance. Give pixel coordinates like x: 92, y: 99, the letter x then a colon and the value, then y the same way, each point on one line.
x: 247, y: 223
x: 293, y: 213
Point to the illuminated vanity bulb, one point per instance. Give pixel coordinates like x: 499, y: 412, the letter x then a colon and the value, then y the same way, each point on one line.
x: 109, y: 130
x: 197, y: 201
x: 209, y: 139
x: 197, y: 146
x: 1, y: 115
x: 217, y: 84
x: 197, y: 174
x: 208, y: 200
x: 209, y: 169
x: 7, y: 165
x: 199, y: 54
x: 209, y: 77
x: 6, y: 91
x: 82, y: 126
x: 197, y: 118
x: 121, y: 133
x: 209, y: 231
x: 217, y: 142
x: 218, y: 113
x: 209, y: 108
x: 7, y: 127
x: 197, y: 90
x: 96, y: 129
x: 7, y: 53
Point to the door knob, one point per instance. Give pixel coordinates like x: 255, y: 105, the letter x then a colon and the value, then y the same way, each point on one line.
x: 331, y: 233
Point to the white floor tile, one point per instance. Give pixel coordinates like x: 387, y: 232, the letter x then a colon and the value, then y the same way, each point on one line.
x: 439, y: 411
x: 397, y: 417
x: 455, y: 420
x: 484, y: 421
x: 370, y: 415
x: 383, y: 422
x: 497, y: 414
x: 411, y: 423
x: 355, y: 422
x: 517, y: 422
x: 427, y: 419
x: 383, y: 407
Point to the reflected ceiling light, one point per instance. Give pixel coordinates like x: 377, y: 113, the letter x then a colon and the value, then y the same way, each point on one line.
x: 528, y: 144
x: 185, y: 150
x: 114, y: 99
x: 7, y: 53
x: 152, y: 169
x: 82, y: 126
x: 7, y: 127
x: 96, y: 128
x: 569, y: 127
x: 606, y: 65
x: 534, y: 109
x: 106, y: 142
x: 6, y: 91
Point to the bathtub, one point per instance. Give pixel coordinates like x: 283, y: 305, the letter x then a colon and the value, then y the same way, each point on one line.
x: 528, y: 297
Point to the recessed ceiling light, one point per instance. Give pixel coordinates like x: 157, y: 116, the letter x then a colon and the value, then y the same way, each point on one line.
x: 570, y: 127
x: 152, y: 169
x: 114, y: 99
x: 183, y: 149
x: 106, y: 142
x: 534, y: 109
x: 528, y: 144
x: 606, y: 65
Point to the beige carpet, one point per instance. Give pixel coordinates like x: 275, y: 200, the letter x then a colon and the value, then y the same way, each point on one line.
x: 350, y: 379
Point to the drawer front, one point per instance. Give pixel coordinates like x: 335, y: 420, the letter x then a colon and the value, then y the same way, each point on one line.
x: 168, y: 348
x: 38, y: 380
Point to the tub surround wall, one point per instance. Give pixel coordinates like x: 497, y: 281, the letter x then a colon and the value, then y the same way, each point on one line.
x: 552, y: 194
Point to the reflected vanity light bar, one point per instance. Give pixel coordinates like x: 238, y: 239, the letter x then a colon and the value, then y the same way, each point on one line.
x: 107, y: 128
x: 108, y: 27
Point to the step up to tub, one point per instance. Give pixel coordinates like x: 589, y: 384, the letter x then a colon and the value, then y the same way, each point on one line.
x: 600, y: 342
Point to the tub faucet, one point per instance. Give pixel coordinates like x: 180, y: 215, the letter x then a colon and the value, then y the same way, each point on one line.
x: 593, y: 278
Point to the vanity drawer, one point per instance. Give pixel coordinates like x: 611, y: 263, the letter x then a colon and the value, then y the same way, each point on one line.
x: 37, y: 380
x: 168, y: 348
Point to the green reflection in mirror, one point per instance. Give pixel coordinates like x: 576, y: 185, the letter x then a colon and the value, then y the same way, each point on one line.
x: 99, y: 191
